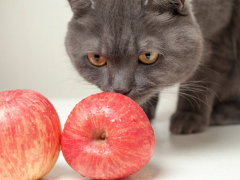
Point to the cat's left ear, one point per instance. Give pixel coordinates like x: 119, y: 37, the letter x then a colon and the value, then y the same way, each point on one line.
x: 81, y: 6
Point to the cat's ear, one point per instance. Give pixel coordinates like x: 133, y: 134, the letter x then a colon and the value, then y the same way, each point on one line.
x: 80, y: 6
x: 178, y: 4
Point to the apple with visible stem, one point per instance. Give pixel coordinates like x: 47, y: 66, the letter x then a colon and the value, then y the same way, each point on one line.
x: 30, y: 135
x: 107, y: 136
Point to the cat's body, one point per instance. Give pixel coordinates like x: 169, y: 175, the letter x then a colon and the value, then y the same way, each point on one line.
x: 219, y: 71
x: 198, y: 46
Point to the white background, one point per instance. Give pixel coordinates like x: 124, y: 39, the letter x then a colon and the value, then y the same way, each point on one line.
x: 33, y: 56
x: 32, y: 51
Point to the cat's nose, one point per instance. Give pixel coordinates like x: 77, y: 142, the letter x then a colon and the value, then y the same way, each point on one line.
x: 122, y: 91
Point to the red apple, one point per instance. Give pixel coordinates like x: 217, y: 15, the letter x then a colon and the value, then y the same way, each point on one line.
x: 30, y: 135
x: 107, y: 136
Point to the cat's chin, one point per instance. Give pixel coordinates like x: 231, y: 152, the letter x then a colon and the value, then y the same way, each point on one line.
x: 141, y: 99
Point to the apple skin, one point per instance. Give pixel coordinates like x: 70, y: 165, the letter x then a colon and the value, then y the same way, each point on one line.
x: 107, y: 136
x: 30, y: 135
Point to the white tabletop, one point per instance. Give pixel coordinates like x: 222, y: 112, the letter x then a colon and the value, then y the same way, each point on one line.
x: 212, y: 155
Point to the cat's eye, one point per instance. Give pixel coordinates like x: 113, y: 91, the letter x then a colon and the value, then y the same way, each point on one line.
x: 97, y: 60
x: 149, y: 58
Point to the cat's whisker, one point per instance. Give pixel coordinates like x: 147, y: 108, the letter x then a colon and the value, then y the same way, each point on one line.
x: 196, y: 99
x: 198, y: 83
x: 209, y: 69
x: 198, y: 87
x: 185, y: 97
x: 190, y: 87
x: 164, y: 97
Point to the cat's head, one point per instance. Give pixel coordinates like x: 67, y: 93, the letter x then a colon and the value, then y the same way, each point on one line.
x: 134, y: 47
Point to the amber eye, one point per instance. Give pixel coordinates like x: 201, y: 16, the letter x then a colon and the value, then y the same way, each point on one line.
x: 149, y: 58
x: 97, y: 60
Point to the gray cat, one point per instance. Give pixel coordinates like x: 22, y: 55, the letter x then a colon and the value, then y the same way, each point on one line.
x: 139, y: 47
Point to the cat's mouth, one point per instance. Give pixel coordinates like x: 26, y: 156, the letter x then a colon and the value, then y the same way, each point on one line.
x: 140, y: 98
x: 123, y: 92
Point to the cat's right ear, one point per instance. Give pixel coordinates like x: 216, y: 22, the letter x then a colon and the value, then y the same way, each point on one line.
x: 80, y: 7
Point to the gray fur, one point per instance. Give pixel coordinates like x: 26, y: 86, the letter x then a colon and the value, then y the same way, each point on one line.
x: 199, y: 43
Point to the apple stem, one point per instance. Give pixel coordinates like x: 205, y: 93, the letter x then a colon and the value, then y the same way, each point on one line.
x: 103, y: 136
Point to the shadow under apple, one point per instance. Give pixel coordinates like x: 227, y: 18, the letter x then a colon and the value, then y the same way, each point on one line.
x: 150, y: 171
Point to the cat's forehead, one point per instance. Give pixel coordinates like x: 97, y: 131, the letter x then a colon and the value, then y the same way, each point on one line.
x: 124, y: 9
x: 118, y: 16
x: 118, y: 22
x: 122, y: 27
